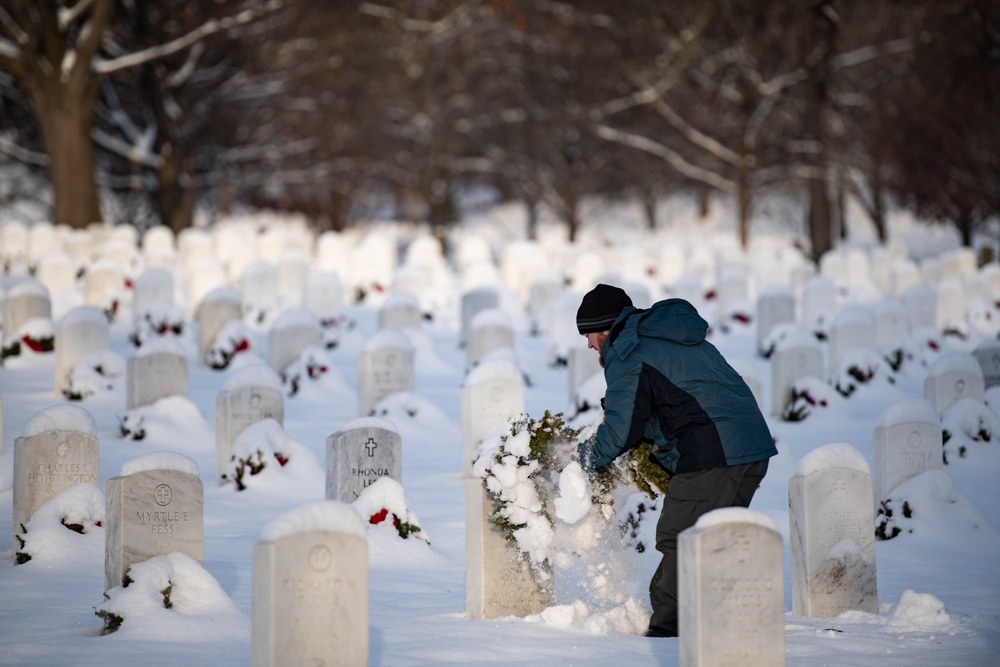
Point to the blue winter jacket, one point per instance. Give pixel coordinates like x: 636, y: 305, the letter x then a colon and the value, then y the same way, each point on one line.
x: 667, y: 383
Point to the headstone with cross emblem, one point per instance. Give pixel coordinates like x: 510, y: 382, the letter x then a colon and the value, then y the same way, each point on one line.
x: 795, y: 356
x: 154, y: 506
x: 832, y: 533
x: 987, y: 353
x: 248, y: 395
x: 492, y: 394
x: 57, y: 449
x: 385, y: 366
x: 731, y: 590
x: 906, y: 441
x: 310, y: 588
x: 364, y: 450
x: 954, y: 375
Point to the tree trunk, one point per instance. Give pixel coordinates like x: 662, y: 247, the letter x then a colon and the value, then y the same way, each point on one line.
x: 65, y: 118
x: 743, y: 201
x: 649, y: 210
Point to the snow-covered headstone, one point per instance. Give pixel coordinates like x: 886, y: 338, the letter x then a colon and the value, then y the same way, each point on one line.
x: 219, y: 307
x: 774, y: 306
x: 542, y: 292
x: 259, y: 286
x: 57, y: 271
x: 730, y: 590
x: 987, y: 353
x: 921, y: 303
x: 475, y: 300
x: 853, y: 328
x: 583, y: 363
x: 892, y: 321
x: 493, y: 393
x: 832, y: 533
x: 499, y: 581
x: 491, y: 329
x: 323, y: 293
x: 310, y: 588
x: 25, y: 301
x: 906, y: 441
x: 951, y: 301
x: 82, y: 330
x: 401, y: 310
x: 360, y: 453
x: 250, y: 394
x: 952, y: 376
x: 796, y: 356
x: 819, y: 303
x: 154, y: 506
x: 104, y: 284
x: 158, y: 369
x: 295, y: 329
x: 152, y: 286
x: 57, y: 449
x: 292, y: 268
x: 385, y: 366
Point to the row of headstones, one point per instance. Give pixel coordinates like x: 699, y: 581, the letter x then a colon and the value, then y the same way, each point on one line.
x: 952, y: 376
x: 154, y: 507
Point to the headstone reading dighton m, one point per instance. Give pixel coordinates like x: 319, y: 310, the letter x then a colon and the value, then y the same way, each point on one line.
x: 731, y: 591
x: 310, y: 589
x: 82, y: 330
x: 385, y: 366
x: 155, y: 506
x: 250, y: 394
x: 364, y: 450
x: 498, y: 580
x: 832, y: 533
x: 906, y: 441
x: 796, y: 356
x: 952, y: 376
x: 57, y: 449
x: 493, y: 393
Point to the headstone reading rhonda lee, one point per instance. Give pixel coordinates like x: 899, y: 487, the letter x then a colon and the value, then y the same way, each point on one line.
x: 155, y: 506
x: 58, y: 448
x: 832, y: 533
x: 310, y: 589
x: 249, y: 394
x: 906, y: 441
x: 364, y: 450
x: 498, y: 580
x: 385, y: 366
x: 158, y: 369
x: 730, y: 591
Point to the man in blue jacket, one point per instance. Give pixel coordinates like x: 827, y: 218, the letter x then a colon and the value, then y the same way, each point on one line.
x: 668, y: 384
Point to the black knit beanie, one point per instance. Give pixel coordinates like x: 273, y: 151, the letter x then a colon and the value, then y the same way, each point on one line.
x: 600, y: 308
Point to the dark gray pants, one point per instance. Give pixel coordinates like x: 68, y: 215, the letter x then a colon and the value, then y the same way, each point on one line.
x: 689, y: 495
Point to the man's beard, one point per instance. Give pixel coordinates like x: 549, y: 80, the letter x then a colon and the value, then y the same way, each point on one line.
x: 600, y: 358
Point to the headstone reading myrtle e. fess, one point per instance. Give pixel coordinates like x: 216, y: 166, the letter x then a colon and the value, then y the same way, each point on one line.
x: 155, y: 506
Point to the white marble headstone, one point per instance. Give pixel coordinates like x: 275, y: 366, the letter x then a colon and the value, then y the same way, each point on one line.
x: 251, y: 394
x: 296, y: 329
x: 795, y: 356
x: 492, y: 394
x: 385, y: 366
x: 731, y: 591
x: 953, y: 375
x: 774, y: 306
x: 365, y: 450
x: 906, y: 441
x: 82, y: 330
x: 987, y: 353
x: 158, y: 369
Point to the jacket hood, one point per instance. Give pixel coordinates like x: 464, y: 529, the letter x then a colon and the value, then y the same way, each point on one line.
x: 675, y: 320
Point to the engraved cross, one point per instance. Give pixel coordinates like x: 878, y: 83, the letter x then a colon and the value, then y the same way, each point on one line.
x: 742, y: 547
x: 840, y: 486
x: 370, y: 446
